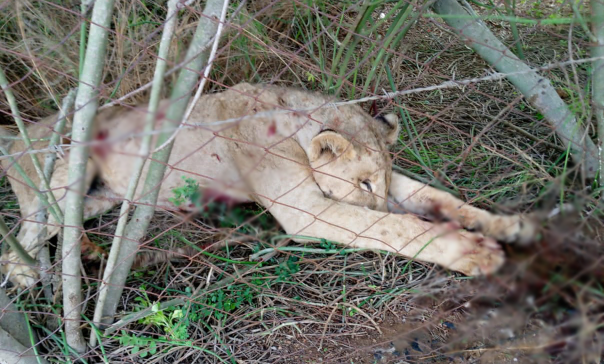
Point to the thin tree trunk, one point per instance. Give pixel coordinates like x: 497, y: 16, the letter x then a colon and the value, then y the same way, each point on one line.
x: 42, y: 215
x: 181, y: 94
x: 52, y: 203
x: 536, y: 89
x: 597, y: 76
x: 158, y: 80
x: 86, y: 106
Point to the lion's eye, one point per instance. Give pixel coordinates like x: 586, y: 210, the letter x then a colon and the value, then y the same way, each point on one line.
x: 366, y: 185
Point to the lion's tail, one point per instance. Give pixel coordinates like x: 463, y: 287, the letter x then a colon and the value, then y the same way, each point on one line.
x: 147, y: 258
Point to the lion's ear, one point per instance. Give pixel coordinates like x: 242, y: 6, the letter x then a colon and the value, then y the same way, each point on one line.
x: 388, y: 126
x: 330, y: 144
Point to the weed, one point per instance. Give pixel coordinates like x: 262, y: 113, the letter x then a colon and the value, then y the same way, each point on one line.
x: 170, y: 319
x: 190, y: 192
x: 219, y: 304
x: 141, y: 345
x: 226, y: 217
x: 288, y: 267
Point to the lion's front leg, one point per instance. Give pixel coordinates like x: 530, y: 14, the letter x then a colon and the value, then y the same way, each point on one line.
x: 407, y: 235
x: 421, y: 199
x: 292, y: 196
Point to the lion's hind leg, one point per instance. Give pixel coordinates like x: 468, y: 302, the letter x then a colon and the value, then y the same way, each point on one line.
x: 29, y: 237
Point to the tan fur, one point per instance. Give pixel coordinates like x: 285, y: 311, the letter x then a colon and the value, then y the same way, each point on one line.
x: 325, y: 172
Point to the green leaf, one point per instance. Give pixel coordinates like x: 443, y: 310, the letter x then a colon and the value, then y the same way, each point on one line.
x: 153, y: 348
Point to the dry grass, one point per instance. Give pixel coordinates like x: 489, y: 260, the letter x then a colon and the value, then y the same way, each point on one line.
x: 299, y: 307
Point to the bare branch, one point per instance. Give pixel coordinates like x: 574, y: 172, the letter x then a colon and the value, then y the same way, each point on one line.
x: 206, y: 73
x: 537, y: 89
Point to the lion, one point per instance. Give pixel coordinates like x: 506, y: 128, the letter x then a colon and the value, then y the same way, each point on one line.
x: 322, y: 169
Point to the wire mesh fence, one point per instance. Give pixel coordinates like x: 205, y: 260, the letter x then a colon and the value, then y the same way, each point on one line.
x: 320, y: 179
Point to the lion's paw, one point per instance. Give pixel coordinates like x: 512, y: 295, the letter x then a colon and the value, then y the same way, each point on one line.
x: 475, y: 255
x: 513, y: 229
x: 19, y: 273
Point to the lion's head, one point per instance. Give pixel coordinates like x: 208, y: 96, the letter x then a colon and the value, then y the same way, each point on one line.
x: 352, y: 164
